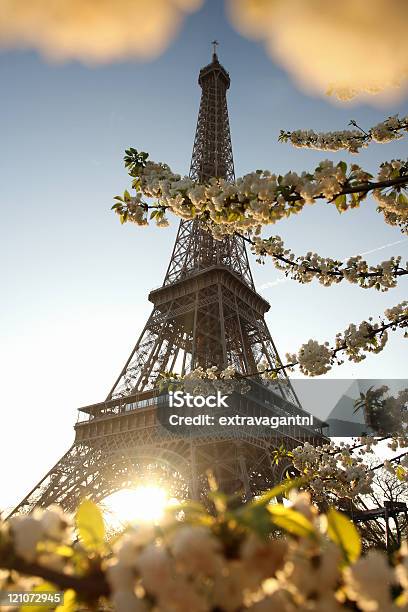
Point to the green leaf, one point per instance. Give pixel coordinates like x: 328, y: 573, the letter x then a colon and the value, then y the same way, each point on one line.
x: 343, y: 533
x: 401, y: 600
x: 343, y: 166
x: 90, y: 525
x: 255, y: 515
x: 341, y: 203
x: 64, y: 551
x: 220, y: 500
x: 355, y: 200
x: 255, y: 518
x: 400, y: 472
x: 280, y: 489
x: 69, y: 604
x: 291, y: 521
x: 35, y: 607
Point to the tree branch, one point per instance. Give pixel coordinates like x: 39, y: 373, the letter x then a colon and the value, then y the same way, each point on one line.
x: 88, y: 587
x: 397, y: 458
x: 398, y: 271
x: 375, y: 332
x: 361, y: 188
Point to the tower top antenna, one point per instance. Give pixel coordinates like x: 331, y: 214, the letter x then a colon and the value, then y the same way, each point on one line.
x: 215, y: 44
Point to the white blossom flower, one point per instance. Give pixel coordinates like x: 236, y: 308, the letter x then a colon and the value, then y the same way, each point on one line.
x: 197, y: 551
x: 27, y: 532
x: 262, y: 559
x: 54, y: 522
x: 314, y: 358
x: 256, y: 199
x: 181, y: 596
x: 126, y: 601
x: 228, y: 589
x: 120, y: 577
x: 155, y: 568
x: 368, y: 582
x: 262, y: 575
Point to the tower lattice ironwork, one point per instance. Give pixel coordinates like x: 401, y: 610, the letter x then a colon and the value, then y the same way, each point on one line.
x: 207, y: 312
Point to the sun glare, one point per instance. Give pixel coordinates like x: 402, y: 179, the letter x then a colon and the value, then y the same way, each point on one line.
x: 143, y: 504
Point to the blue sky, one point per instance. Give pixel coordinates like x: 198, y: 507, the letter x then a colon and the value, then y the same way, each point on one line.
x: 75, y: 282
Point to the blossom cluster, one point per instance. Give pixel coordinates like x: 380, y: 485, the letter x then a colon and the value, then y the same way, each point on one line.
x: 399, y: 468
x: 206, y: 381
x: 27, y: 531
x: 349, y: 140
x: 357, y: 339
x: 262, y: 198
x: 329, y: 271
x: 400, y: 310
x: 399, y: 441
x: 259, y: 557
x: 394, y: 442
x: 315, y: 359
x: 332, y: 469
x: 256, y: 199
x: 392, y: 202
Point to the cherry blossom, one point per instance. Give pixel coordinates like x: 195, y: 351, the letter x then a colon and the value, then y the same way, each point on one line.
x: 232, y: 561
x: 259, y: 198
x: 304, y: 269
x: 352, y: 141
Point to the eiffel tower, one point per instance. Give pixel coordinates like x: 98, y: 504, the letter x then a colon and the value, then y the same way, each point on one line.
x: 207, y: 312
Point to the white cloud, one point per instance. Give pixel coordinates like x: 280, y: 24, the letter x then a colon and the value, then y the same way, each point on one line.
x: 352, y: 47
x: 274, y: 283
x: 92, y: 31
